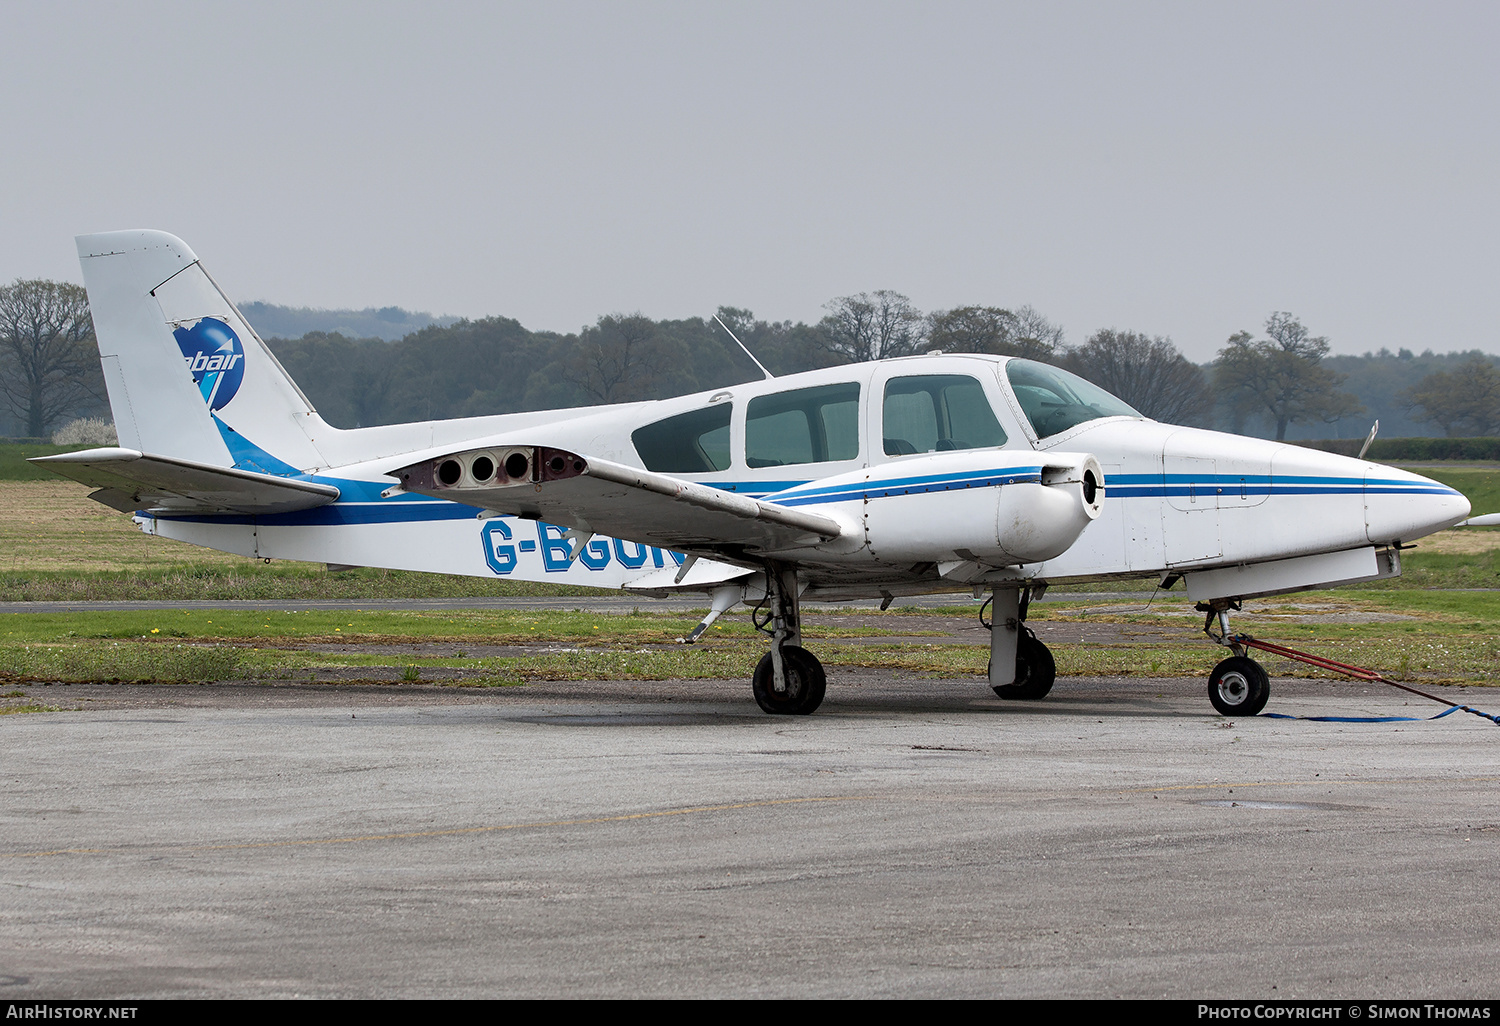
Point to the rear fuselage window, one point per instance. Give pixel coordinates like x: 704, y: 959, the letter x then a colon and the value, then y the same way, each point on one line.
x: 689, y: 443
x: 938, y: 413
x: 809, y: 425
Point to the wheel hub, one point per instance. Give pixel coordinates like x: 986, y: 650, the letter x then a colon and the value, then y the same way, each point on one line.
x: 1233, y: 687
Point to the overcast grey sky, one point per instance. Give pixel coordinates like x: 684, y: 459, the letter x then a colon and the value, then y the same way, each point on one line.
x: 1179, y: 169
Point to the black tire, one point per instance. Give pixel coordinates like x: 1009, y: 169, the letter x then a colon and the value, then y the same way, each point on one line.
x: 1239, y: 686
x: 1036, y: 671
x: 805, y: 683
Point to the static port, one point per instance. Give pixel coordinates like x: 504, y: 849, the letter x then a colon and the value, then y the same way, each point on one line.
x: 557, y: 463
x: 1090, y: 487
x: 517, y: 465
x: 449, y: 472
x: 483, y: 468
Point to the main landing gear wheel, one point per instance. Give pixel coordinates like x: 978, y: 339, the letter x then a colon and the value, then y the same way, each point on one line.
x: 1036, y: 670
x: 805, y: 682
x: 1239, y: 686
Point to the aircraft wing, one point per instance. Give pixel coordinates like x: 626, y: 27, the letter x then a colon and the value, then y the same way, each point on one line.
x: 130, y: 480
x: 599, y: 496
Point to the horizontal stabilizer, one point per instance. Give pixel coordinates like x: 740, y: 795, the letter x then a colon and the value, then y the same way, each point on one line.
x: 1488, y: 520
x: 129, y: 480
x: 593, y: 495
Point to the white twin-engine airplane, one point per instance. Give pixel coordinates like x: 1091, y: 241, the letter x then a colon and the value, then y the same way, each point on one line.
x: 901, y: 477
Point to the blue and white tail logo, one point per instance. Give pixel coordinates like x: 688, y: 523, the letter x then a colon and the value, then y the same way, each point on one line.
x: 215, y: 357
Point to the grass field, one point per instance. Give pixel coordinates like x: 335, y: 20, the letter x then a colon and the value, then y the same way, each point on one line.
x: 57, y: 544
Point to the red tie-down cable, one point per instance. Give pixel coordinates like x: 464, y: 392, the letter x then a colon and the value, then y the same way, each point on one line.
x: 1358, y: 673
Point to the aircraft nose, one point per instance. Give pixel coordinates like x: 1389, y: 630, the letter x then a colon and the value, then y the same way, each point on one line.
x: 1402, y: 506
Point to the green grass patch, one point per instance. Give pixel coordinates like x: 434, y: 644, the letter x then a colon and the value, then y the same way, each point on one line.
x: 1480, y: 485
x: 252, y: 579
x: 1421, y: 569
x: 1144, y: 660
x: 120, y: 662
x: 13, y: 457
x: 476, y: 626
x: 734, y: 663
x: 1476, y: 609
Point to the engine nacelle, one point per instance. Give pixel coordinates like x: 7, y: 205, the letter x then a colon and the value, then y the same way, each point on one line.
x: 1006, y: 511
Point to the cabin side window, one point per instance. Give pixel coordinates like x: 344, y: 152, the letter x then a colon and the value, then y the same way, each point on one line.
x: 808, y: 425
x: 689, y: 443
x: 938, y: 413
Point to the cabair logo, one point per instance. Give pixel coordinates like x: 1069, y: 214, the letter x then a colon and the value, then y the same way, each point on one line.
x: 217, y: 360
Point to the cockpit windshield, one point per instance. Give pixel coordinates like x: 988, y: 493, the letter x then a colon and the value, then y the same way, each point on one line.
x: 1054, y: 400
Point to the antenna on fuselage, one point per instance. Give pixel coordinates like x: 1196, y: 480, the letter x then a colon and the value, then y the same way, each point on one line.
x: 768, y: 374
x: 1374, y: 430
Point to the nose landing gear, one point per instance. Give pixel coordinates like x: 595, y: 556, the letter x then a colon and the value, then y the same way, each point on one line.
x: 1238, y: 686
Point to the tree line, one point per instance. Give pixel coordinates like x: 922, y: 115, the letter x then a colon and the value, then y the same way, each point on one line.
x: 1280, y: 379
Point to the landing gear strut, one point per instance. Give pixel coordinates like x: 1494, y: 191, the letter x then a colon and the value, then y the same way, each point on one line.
x: 1238, y: 686
x: 1021, y: 667
x: 788, y: 679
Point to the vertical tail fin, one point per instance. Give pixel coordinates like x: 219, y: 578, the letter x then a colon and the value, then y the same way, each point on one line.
x: 187, y: 377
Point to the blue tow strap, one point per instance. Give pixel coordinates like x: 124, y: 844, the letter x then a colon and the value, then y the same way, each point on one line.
x: 1382, y: 719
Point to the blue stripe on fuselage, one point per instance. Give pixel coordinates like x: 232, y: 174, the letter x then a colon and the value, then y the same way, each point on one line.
x: 861, y: 490
x: 360, y: 501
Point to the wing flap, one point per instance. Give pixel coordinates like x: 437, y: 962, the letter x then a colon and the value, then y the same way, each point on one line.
x: 595, y: 495
x: 128, y: 480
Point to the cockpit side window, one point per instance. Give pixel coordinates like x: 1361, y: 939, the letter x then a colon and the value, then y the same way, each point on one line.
x: 689, y: 443
x: 807, y: 425
x: 938, y: 413
x: 1054, y: 400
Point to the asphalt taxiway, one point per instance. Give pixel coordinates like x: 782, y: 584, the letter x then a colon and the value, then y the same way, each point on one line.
x: 912, y: 838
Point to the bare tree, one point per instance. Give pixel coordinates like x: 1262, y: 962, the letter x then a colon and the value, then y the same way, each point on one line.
x: 1038, y: 336
x: 1240, y: 402
x: 49, y: 360
x: 971, y: 329
x: 871, y: 326
x: 618, y: 359
x: 1147, y: 372
x: 1291, y: 337
x: 1282, y: 376
x: 1464, y: 402
x: 993, y: 330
